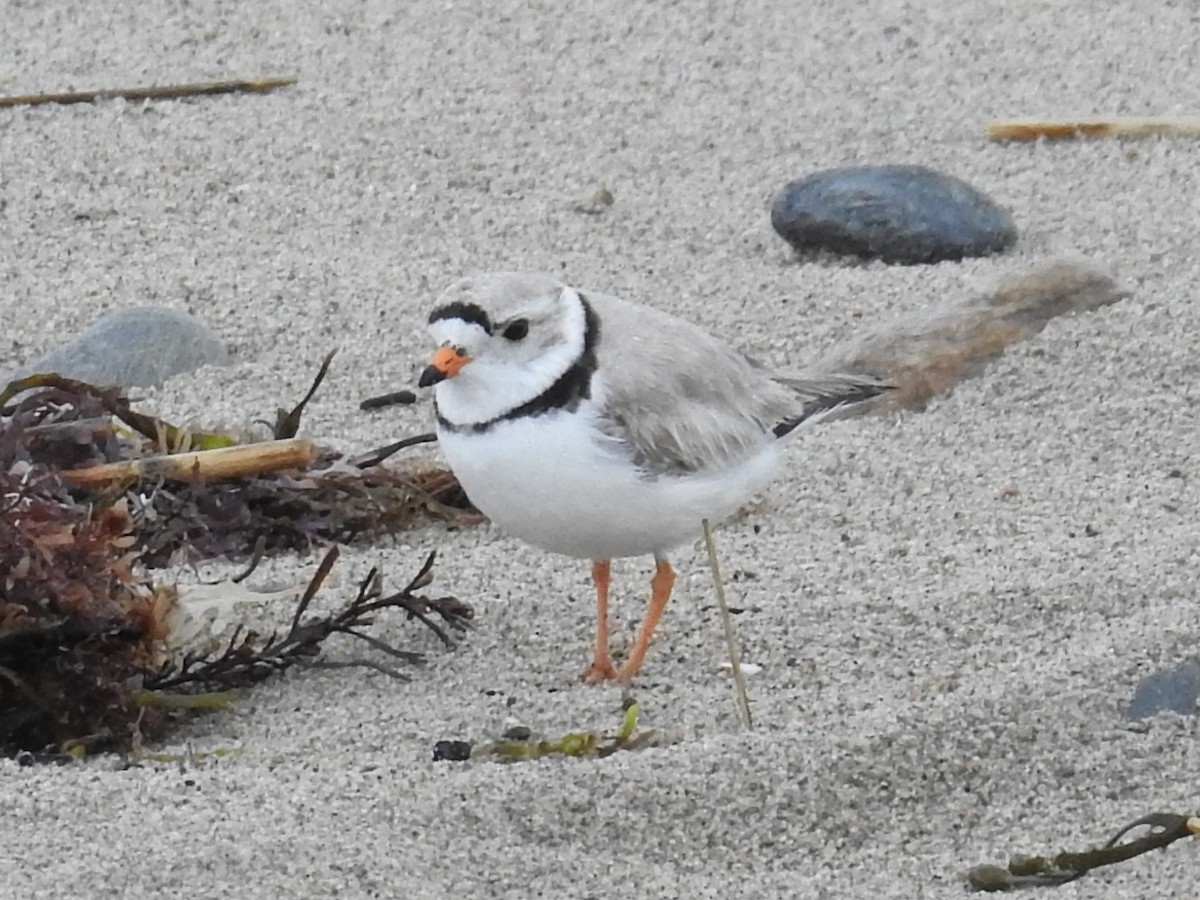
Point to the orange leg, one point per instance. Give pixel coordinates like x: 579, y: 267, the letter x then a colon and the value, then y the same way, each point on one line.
x: 660, y: 592
x: 601, y: 668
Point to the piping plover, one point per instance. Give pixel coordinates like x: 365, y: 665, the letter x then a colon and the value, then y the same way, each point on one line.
x: 598, y: 428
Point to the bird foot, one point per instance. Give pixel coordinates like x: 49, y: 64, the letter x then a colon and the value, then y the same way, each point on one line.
x: 628, y: 672
x: 600, y: 670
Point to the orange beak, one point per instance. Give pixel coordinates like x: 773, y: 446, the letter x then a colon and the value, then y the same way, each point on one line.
x: 446, y: 363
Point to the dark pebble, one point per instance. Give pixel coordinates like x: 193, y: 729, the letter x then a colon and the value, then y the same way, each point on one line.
x: 451, y: 751
x: 1168, y: 690
x: 899, y: 214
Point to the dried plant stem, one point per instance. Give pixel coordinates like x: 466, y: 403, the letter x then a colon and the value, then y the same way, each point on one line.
x: 1069, y: 129
x: 375, y: 457
x: 287, y: 423
x: 208, y: 702
x: 210, y: 465
x: 1050, y: 871
x: 111, y: 400
x: 165, y: 92
x: 742, y: 696
x: 403, y: 397
x: 249, y: 657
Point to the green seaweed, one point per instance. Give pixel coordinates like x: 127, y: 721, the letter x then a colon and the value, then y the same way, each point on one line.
x: 577, y: 744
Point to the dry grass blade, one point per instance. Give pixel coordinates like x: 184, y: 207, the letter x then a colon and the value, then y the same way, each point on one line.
x: 389, y: 671
x: 260, y: 549
x: 287, y: 424
x: 375, y: 457
x: 1070, y: 129
x: 314, y: 585
x: 741, y: 693
x: 166, y: 92
x: 382, y: 647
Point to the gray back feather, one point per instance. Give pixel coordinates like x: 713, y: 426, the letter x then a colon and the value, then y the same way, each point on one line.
x: 680, y: 399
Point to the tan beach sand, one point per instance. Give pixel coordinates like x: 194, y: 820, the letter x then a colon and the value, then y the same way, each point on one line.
x: 946, y: 646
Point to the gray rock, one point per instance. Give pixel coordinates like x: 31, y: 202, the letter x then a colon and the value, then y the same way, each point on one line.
x: 900, y: 214
x: 139, y: 347
x: 1168, y: 690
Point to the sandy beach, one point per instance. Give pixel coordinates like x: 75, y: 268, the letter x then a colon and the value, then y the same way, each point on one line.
x: 950, y: 608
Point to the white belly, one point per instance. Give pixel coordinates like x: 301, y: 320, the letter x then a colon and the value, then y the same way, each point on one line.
x: 548, y: 481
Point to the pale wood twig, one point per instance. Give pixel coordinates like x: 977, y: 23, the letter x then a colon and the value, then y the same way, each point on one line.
x: 1070, y: 129
x: 211, y: 465
x: 742, y: 696
x: 164, y: 92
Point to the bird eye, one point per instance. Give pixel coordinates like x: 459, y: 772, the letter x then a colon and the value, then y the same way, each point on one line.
x: 516, y: 329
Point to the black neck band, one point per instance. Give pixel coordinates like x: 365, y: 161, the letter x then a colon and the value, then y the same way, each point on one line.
x: 568, y: 390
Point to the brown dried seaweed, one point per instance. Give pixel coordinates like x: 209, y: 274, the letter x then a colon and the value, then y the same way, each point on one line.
x: 62, y: 424
x: 291, y: 511
x: 248, y: 657
x: 77, y: 620
x: 84, y: 660
x: 70, y: 393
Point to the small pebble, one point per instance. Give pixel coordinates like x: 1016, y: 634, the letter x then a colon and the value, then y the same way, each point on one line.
x: 140, y: 347
x: 518, y: 733
x: 748, y: 668
x: 1167, y: 690
x: 899, y: 214
x: 451, y: 751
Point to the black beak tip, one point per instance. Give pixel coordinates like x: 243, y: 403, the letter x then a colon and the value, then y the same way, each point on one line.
x: 431, y: 376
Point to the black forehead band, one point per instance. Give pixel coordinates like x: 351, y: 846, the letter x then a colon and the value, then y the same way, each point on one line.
x: 467, y: 312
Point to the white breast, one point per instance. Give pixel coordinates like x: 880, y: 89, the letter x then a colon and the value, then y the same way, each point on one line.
x: 556, y: 482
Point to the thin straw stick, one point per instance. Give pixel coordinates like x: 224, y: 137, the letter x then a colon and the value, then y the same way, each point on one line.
x: 1068, y: 129
x: 164, y: 92
x: 741, y: 697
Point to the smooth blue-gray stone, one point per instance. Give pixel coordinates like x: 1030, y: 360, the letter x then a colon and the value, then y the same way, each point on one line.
x: 139, y: 347
x: 900, y: 214
x: 1168, y: 690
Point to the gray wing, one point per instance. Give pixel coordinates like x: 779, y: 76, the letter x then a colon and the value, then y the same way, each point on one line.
x: 830, y: 396
x: 682, y: 401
